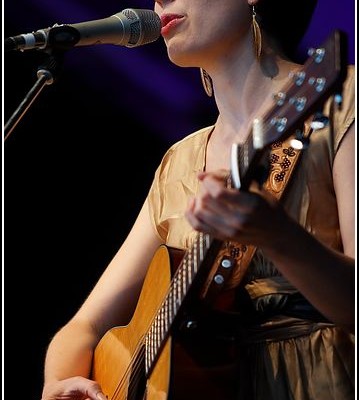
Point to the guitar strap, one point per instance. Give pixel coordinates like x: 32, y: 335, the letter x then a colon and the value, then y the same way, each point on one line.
x: 233, y: 259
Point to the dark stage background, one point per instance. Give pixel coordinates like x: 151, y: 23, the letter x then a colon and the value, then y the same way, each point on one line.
x: 78, y: 165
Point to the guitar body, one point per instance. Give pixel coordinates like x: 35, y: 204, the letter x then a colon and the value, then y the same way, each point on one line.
x: 119, y: 364
x: 184, y: 369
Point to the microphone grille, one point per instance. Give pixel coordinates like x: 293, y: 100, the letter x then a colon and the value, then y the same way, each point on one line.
x: 145, y: 26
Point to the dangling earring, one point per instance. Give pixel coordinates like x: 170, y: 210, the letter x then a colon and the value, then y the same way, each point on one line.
x: 257, y: 35
x: 206, y: 82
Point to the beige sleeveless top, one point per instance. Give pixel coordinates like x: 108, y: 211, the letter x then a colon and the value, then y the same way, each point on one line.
x: 176, y: 180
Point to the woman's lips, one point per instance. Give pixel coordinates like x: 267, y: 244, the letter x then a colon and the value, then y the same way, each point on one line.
x: 169, y: 22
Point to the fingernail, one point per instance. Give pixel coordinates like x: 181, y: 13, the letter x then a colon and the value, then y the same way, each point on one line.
x: 101, y: 396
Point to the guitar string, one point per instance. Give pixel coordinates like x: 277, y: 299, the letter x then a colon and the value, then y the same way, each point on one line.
x: 124, y: 384
x: 136, y: 366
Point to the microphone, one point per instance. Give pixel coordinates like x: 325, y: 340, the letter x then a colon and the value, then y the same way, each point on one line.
x: 130, y: 28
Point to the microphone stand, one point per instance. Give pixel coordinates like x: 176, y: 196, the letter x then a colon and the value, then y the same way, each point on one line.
x: 46, y: 75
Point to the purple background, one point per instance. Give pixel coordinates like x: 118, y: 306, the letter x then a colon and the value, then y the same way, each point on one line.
x: 80, y: 162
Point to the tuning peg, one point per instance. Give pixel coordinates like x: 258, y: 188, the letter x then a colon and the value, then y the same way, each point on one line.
x: 298, y: 77
x: 319, y: 121
x: 298, y: 102
x: 318, y: 83
x: 338, y: 98
x: 300, y: 142
x: 317, y: 54
x: 279, y: 98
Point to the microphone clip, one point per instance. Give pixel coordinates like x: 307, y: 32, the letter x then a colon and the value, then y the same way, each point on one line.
x: 60, y: 37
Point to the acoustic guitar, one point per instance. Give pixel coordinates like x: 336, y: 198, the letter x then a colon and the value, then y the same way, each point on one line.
x: 168, y: 349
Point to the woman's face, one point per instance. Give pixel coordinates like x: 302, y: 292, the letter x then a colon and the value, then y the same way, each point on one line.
x: 196, y: 30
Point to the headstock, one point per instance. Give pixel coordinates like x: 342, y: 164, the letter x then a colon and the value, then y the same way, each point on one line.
x: 321, y: 76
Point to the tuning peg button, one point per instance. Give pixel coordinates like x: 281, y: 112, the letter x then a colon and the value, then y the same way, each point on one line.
x: 298, y: 77
x: 298, y: 102
x: 299, y: 142
x: 318, y: 83
x: 279, y: 98
x: 317, y: 54
x: 319, y: 121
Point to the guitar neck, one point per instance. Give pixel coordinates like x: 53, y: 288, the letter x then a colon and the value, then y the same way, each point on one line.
x: 187, y: 281
x: 305, y: 94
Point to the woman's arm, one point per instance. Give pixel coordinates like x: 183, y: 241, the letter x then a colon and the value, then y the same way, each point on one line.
x: 111, y: 302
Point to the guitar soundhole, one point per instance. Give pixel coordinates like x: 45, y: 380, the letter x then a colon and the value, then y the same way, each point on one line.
x: 137, y: 383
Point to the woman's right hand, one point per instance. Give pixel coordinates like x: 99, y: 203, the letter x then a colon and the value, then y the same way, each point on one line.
x: 75, y: 388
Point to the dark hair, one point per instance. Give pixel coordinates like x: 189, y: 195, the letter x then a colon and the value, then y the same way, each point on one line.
x: 285, y: 22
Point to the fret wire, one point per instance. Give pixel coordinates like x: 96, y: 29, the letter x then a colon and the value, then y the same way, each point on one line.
x: 157, y: 337
x: 150, y: 349
x: 179, y: 286
x: 147, y: 361
x: 190, y: 260
x: 174, y: 294
x: 195, y: 255
x: 184, y: 281
x: 200, y: 245
x: 160, y: 334
x: 163, y: 322
x: 170, y: 306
